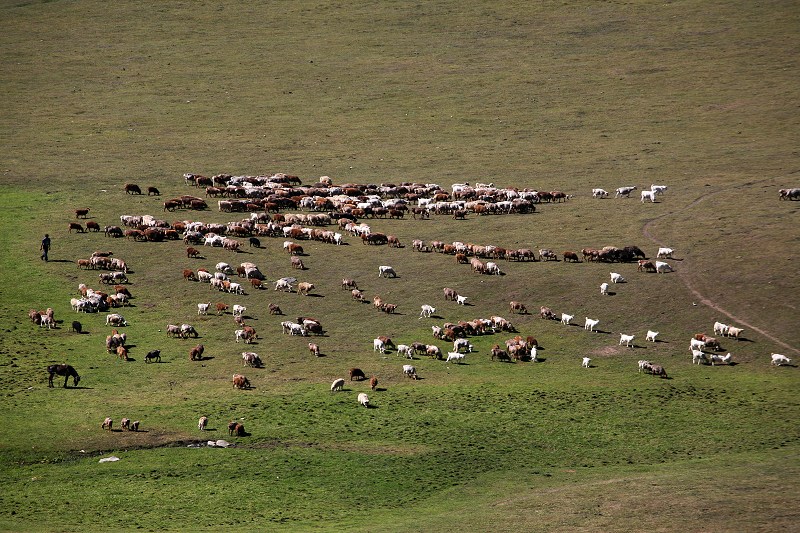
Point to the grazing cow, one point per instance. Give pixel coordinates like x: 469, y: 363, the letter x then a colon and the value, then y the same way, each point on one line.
x: 132, y: 188
x: 651, y: 336
x: 274, y: 309
x: 373, y: 382
x: 357, y: 374
x: 586, y: 362
x: 518, y: 307
x: 188, y: 274
x: 363, y: 399
x: 76, y: 326
x: 665, y: 253
x: 566, y: 319
x: 658, y: 370
x: 62, y: 370
x: 125, y: 423
x: 192, y: 252
x: 115, y: 319
x: 348, y: 283
x: 251, y: 359
x: 196, y: 353
x: 645, y: 265
x: 378, y: 346
x: 780, y: 359
x: 254, y: 242
x: 500, y: 354
x: 624, y: 191
x: 590, y: 324
x: 617, y: 278
x: 304, y: 288
x: 107, y: 423
x: 626, y: 339
x: 427, y: 311
x: 662, y: 267
x: 92, y: 226
x: 698, y: 357
x: 284, y: 284
x: 604, y: 288
x: 384, y: 271
x: 433, y: 351
x: 153, y: 356
x: 547, y: 255
x: 570, y: 256
x: 240, y: 382
x: 720, y: 359
x: 449, y: 294
x: 410, y: 371
x: 546, y: 312
x: 314, y: 349
x: 75, y: 226
x: 297, y: 263
x: 405, y: 350
x: 645, y: 366
x: 188, y: 329
x: 202, y: 423
x: 236, y: 428
x: 337, y: 385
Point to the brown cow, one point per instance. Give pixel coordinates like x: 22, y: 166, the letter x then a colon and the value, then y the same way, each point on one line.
x: 81, y: 213
x: 256, y: 283
x: 304, y: 288
x: 357, y: 374
x: 373, y: 382
x: 571, y: 256
x: 196, y: 353
x: 221, y: 307
x: 240, y: 382
x: 107, y: 423
x: 193, y: 252
x: 274, y: 309
x: 297, y: 263
x: 518, y: 307
x: 75, y: 226
x: 188, y: 275
x: 313, y: 348
x: 122, y: 352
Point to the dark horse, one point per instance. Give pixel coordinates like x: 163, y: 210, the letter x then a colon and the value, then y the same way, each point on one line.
x: 63, y: 370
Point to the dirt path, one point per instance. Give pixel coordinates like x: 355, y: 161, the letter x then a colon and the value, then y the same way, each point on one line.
x: 683, y: 272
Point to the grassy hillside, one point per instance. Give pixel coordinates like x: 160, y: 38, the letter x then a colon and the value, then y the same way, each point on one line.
x: 698, y: 96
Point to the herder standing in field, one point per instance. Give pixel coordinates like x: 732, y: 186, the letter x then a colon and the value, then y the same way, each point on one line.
x: 45, y: 246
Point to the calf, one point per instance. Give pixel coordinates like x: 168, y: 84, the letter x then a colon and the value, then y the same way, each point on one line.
x: 566, y: 319
x: 373, y: 382
x: 651, y: 336
x: 780, y: 359
x: 626, y: 339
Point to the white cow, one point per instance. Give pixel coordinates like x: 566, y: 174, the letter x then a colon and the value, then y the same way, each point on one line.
x: 384, y: 271
x: 604, y: 288
x: 665, y: 253
x: 651, y: 336
x: 223, y: 267
x: 624, y: 191
x: 658, y: 189
x: 698, y: 357
x: 780, y: 359
x: 566, y: 319
x: 283, y: 284
x: 617, y: 278
x: 427, y: 311
x: 235, y: 288
x: 626, y: 339
x: 715, y: 358
x: 337, y: 385
x: 648, y: 195
x: 238, y: 310
x: 404, y: 349
x: 492, y: 268
x: 720, y: 328
x: 662, y: 267
x: 461, y: 300
x: 534, y: 353
x: 586, y: 362
x: 462, y: 343
x: 455, y: 356
x: 599, y: 193
x: 115, y: 319
x: 590, y: 324
x: 202, y: 309
x: 410, y: 371
x: 363, y: 399
x: 378, y: 346
x: 695, y: 344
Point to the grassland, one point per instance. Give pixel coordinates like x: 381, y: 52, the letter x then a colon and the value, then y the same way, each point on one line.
x: 701, y: 96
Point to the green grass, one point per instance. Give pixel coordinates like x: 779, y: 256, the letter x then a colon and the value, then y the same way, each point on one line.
x: 698, y: 96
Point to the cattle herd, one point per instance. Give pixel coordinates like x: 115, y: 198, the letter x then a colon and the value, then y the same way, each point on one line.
x: 268, y: 200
